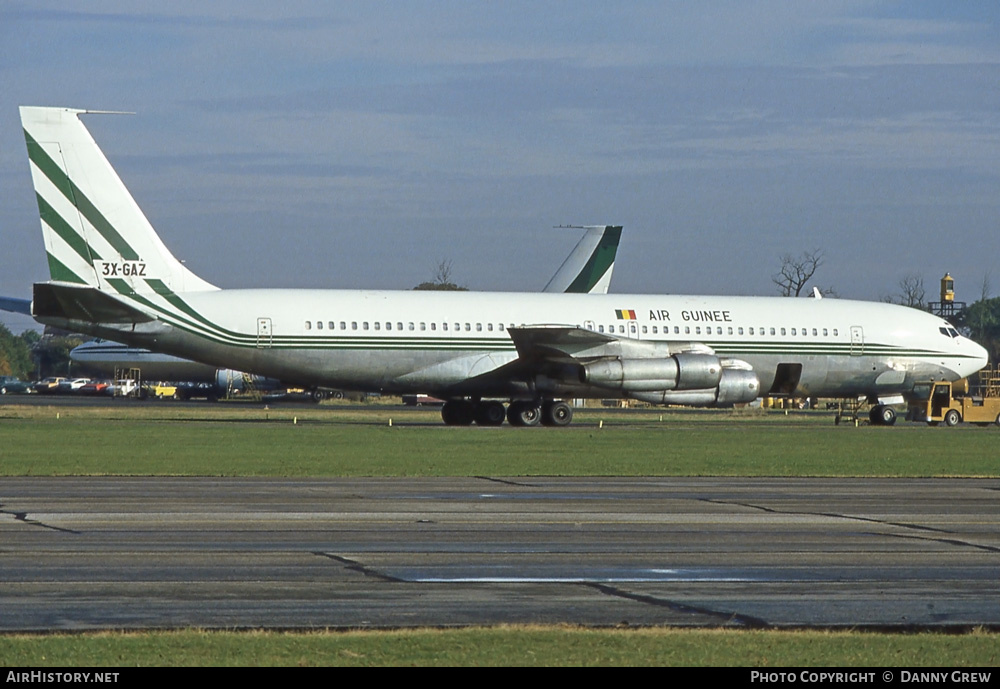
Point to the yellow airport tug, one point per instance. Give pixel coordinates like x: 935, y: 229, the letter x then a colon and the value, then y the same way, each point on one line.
x: 951, y: 403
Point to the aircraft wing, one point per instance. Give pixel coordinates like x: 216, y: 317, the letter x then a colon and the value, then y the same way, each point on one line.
x: 563, y: 343
x: 537, y: 343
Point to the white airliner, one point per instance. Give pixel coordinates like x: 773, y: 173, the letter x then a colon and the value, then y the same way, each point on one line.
x: 587, y: 269
x: 114, y: 278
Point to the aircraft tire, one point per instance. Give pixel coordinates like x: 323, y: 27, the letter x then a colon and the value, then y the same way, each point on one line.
x: 887, y: 415
x: 490, y: 413
x: 457, y: 413
x: 952, y: 418
x: 556, y: 414
x: 523, y: 414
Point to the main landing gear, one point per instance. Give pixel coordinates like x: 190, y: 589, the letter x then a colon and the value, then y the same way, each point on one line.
x: 878, y: 414
x: 517, y: 413
x: 882, y: 415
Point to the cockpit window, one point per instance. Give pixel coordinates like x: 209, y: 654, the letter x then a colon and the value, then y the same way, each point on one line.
x: 952, y: 332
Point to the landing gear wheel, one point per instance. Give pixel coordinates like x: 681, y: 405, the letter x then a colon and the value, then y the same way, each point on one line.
x: 523, y: 414
x: 457, y: 413
x: 952, y: 418
x: 556, y: 414
x: 490, y: 413
x: 887, y: 415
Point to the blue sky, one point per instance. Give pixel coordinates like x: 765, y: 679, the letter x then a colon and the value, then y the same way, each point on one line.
x: 356, y: 145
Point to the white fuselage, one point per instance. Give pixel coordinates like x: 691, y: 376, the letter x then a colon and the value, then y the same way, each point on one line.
x: 454, y: 342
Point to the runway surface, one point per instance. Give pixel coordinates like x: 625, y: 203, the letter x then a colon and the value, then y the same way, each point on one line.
x: 98, y: 553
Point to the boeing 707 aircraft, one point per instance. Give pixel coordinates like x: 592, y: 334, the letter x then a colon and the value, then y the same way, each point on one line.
x: 112, y: 276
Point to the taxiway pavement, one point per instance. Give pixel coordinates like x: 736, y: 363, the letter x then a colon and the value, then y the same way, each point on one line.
x: 121, y: 553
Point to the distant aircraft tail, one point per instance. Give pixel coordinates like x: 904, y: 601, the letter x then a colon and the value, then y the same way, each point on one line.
x: 95, y: 234
x: 589, y: 266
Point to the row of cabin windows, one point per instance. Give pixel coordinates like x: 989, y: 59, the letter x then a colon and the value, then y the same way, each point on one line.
x: 489, y: 327
x: 398, y: 325
x: 729, y: 330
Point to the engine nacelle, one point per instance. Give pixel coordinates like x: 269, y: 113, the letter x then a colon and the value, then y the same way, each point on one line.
x: 737, y: 386
x: 683, y: 371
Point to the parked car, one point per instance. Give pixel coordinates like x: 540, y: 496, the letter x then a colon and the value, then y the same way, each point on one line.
x: 96, y: 387
x: 68, y: 385
x: 9, y: 385
x: 48, y: 385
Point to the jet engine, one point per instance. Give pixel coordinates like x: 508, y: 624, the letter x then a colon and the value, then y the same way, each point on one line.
x: 683, y: 378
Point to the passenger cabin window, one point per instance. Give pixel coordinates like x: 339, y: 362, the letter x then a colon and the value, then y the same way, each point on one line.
x: 319, y: 325
x: 309, y: 325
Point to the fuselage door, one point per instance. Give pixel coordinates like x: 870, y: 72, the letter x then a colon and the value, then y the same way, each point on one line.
x: 632, y: 330
x: 263, y: 333
x: 857, y: 340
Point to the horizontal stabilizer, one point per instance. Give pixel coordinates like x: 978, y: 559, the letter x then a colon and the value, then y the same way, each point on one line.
x: 16, y: 305
x: 81, y: 303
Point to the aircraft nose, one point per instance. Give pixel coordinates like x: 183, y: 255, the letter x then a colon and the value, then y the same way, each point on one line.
x: 979, y: 354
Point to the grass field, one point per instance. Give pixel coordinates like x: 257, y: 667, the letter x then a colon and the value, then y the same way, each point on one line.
x: 505, y: 646
x: 337, y: 440
x: 247, y: 440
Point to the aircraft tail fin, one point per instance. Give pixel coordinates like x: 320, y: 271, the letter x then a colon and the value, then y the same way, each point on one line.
x: 95, y: 233
x: 589, y: 266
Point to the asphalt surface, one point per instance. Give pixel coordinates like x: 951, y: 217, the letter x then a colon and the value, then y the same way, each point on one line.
x: 120, y: 553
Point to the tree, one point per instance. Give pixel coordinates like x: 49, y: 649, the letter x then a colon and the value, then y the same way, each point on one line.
x: 796, y: 272
x: 981, y: 320
x: 52, y: 353
x: 442, y: 279
x: 15, y: 354
x: 911, y: 293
